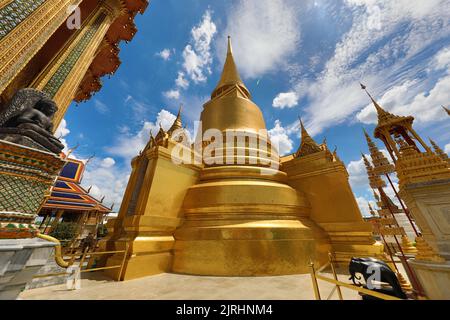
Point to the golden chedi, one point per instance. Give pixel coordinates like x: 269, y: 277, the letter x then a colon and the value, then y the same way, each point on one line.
x: 241, y: 210
x: 239, y: 221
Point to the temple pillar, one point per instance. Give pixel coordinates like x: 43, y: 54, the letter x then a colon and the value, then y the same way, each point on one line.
x: 62, y: 76
x: 58, y: 216
x: 25, y: 26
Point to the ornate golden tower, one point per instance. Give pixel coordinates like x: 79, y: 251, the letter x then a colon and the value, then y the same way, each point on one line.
x: 424, y: 181
x: 238, y: 221
x: 41, y: 49
x: 254, y: 214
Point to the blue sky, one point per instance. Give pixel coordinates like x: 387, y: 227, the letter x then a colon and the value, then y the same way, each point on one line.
x: 297, y: 58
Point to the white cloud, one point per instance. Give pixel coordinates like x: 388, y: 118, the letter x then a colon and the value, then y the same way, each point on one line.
x: 128, y: 145
x: 364, y: 207
x: 381, y: 48
x: 62, y: 129
x: 164, y: 54
x: 100, y: 106
x: 442, y: 59
x: 107, y: 179
x: 61, y: 132
x: 172, y: 94
x: 264, y: 33
x: 447, y: 148
x: 107, y: 162
x: 197, y: 55
x: 285, y: 100
x: 280, y: 139
x: 357, y: 173
x: 139, y: 108
x: 398, y: 100
x: 181, y: 81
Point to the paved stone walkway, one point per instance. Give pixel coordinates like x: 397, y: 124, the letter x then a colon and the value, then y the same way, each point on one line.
x: 183, y: 287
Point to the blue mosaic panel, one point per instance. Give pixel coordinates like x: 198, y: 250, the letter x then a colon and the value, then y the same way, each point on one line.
x: 15, y: 12
x: 70, y: 170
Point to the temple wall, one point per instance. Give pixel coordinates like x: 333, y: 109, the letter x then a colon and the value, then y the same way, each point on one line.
x: 333, y: 204
x: 149, y: 229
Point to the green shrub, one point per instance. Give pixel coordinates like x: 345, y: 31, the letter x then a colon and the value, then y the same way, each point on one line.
x: 65, y: 231
x: 102, y: 231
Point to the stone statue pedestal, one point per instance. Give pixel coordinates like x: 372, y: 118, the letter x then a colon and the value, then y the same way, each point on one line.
x: 20, y: 260
x: 434, y: 278
x: 26, y: 176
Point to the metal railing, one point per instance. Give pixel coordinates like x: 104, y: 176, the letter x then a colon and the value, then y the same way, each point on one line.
x: 338, y: 284
x: 84, y: 255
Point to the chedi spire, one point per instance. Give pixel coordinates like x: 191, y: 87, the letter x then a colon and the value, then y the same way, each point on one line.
x: 230, y: 76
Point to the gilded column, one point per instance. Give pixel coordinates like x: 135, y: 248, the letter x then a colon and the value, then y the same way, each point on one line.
x: 62, y: 76
x: 25, y: 26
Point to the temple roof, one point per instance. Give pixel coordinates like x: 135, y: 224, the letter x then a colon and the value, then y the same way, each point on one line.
x: 68, y: 194
x: 307, y: 145
x: 230, y: 75
x: 107, y: 59
x: 386, y: 119
x: 177, y: 124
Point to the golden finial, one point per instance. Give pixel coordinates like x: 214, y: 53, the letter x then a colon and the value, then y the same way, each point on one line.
x: 372, y: 212
x: 381, y: 112
x: 366, y: 161
x: 307, y: 145
x: 230, y: 75
x: 177, y: 124
x: 376, y: 196
x: 71, y: 150
x: 439, y: 151
x: 89, y: 159
x: 383, y: 116
x: 335, y: 155
x: 446, y: 110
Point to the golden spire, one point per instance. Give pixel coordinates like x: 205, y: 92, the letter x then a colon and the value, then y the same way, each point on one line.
x: 161, y: 133
x: 446, y: 110
x: 177, y: 124
x: 375, y: 180
x: 376, y: 196
x: 384, y: 117
x: 372, y: 212
x: 439, y: 151
x: 381, y: 164
x: 335, y: 155
x: 308, y: 145
x: 230, y: 75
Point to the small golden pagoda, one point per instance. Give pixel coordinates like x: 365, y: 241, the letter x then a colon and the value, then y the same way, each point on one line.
x: 439, y: 151
x: 258, y: 215
x: 424, y: 182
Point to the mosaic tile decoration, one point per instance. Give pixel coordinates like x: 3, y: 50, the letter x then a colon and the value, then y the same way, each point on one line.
x: 58, y: 78
x: 15, y: 12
